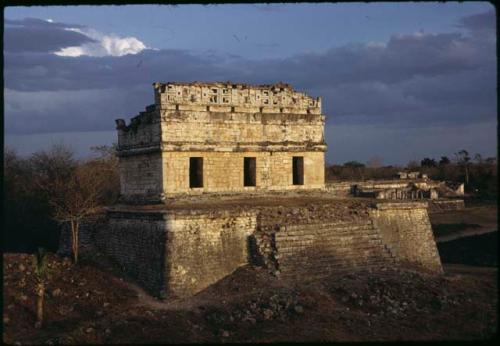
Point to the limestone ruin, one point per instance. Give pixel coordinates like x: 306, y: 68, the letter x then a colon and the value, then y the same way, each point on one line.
x: 218, y: 175
x: 222, y: 137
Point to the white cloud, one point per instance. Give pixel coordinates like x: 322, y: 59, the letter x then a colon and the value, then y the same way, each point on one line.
x: 373, y: 44
x: 104, y: 45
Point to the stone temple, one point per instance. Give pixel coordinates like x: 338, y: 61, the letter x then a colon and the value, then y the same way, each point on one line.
x: 222, y: 137
x: 215, y: 176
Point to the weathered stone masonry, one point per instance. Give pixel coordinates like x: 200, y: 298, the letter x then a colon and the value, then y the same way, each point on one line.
x: 221, y: 123
x: 180, y: 252
x: 237, y: 140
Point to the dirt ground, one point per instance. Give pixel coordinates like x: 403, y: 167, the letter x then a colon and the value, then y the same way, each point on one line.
x: 462, y: 223
x: 89, y: 304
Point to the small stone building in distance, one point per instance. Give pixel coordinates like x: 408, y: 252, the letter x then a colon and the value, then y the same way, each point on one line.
x: 222, y: 137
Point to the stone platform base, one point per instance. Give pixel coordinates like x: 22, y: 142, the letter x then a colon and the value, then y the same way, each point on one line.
x: 182, y: 249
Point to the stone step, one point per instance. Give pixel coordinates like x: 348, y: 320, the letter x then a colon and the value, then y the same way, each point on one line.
x: 333, y: 223
x: 363, y: 253
x: 332, y: 233
x: 336, y: 224
x: 326, y: 264
x: 310, y: 273
x: 319, y: 228
x: 328, y: 236
x: 331, y: 260
x: 358, y: 253
x: 327, y: 233
x: 325, y: 244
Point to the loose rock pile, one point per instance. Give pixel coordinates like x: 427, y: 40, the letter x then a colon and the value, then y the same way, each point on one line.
x: 395, y: 292
x: 281, y: 305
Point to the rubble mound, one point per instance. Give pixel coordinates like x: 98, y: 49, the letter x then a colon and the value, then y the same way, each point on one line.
x: 90, y: 303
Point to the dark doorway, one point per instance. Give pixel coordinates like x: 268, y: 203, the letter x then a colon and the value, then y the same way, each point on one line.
x: 196, y: 172
x: 298, y: 170
x: 249, y: 171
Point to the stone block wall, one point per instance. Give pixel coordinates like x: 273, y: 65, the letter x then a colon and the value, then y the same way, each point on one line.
x: 205, y: 247
x: 316, y: 250
x: 144, y: 131
x: 179, y: 252
x: 183, y: 130
x: 137, y: 242
x: 223, y: 172
x: 406, y: 230
x: 88, y: 235
x: 141, y: 176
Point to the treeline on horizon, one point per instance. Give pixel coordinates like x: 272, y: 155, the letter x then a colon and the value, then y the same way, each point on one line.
x: 33, y: 186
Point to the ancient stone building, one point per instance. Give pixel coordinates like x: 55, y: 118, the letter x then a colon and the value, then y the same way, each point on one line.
x: 244, y: 166
x: 222, y: 137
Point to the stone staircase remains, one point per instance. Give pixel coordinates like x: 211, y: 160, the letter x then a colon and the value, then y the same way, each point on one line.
x: 316, y: 250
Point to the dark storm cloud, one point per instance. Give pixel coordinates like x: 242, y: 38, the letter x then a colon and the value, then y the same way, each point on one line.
x: 35, y: 35
x: 412, y: 80
x: 479, y: 22
x: 38, y: 23
x: 403, y: 57
x: 63, y: 73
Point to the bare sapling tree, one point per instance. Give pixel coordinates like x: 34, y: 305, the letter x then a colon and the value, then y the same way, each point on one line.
x: 41, y: 273
x: 463, y: 159
x: 77, y: 197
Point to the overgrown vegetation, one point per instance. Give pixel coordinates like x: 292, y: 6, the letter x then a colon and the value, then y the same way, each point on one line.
x: 479, y: 174
x: 42, y: 190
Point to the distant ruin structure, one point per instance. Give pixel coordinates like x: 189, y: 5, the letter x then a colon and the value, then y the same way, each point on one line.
x: 222, y: 137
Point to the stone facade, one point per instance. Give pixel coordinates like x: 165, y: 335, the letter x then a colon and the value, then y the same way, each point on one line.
x: 221, y: 123
x: 205, y: 247
x: 180, y: 252
x: 406, y: 230
x: 177, y: 253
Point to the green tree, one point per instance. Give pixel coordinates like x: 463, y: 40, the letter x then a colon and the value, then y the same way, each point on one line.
x: 355, y: 166
x: 478, y: 158
x: 412, y: 165
x: 444, y: 161
x: 427, y: 162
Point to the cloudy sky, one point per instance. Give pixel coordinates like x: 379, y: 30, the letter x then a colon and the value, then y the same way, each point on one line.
x: 399, y: 81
